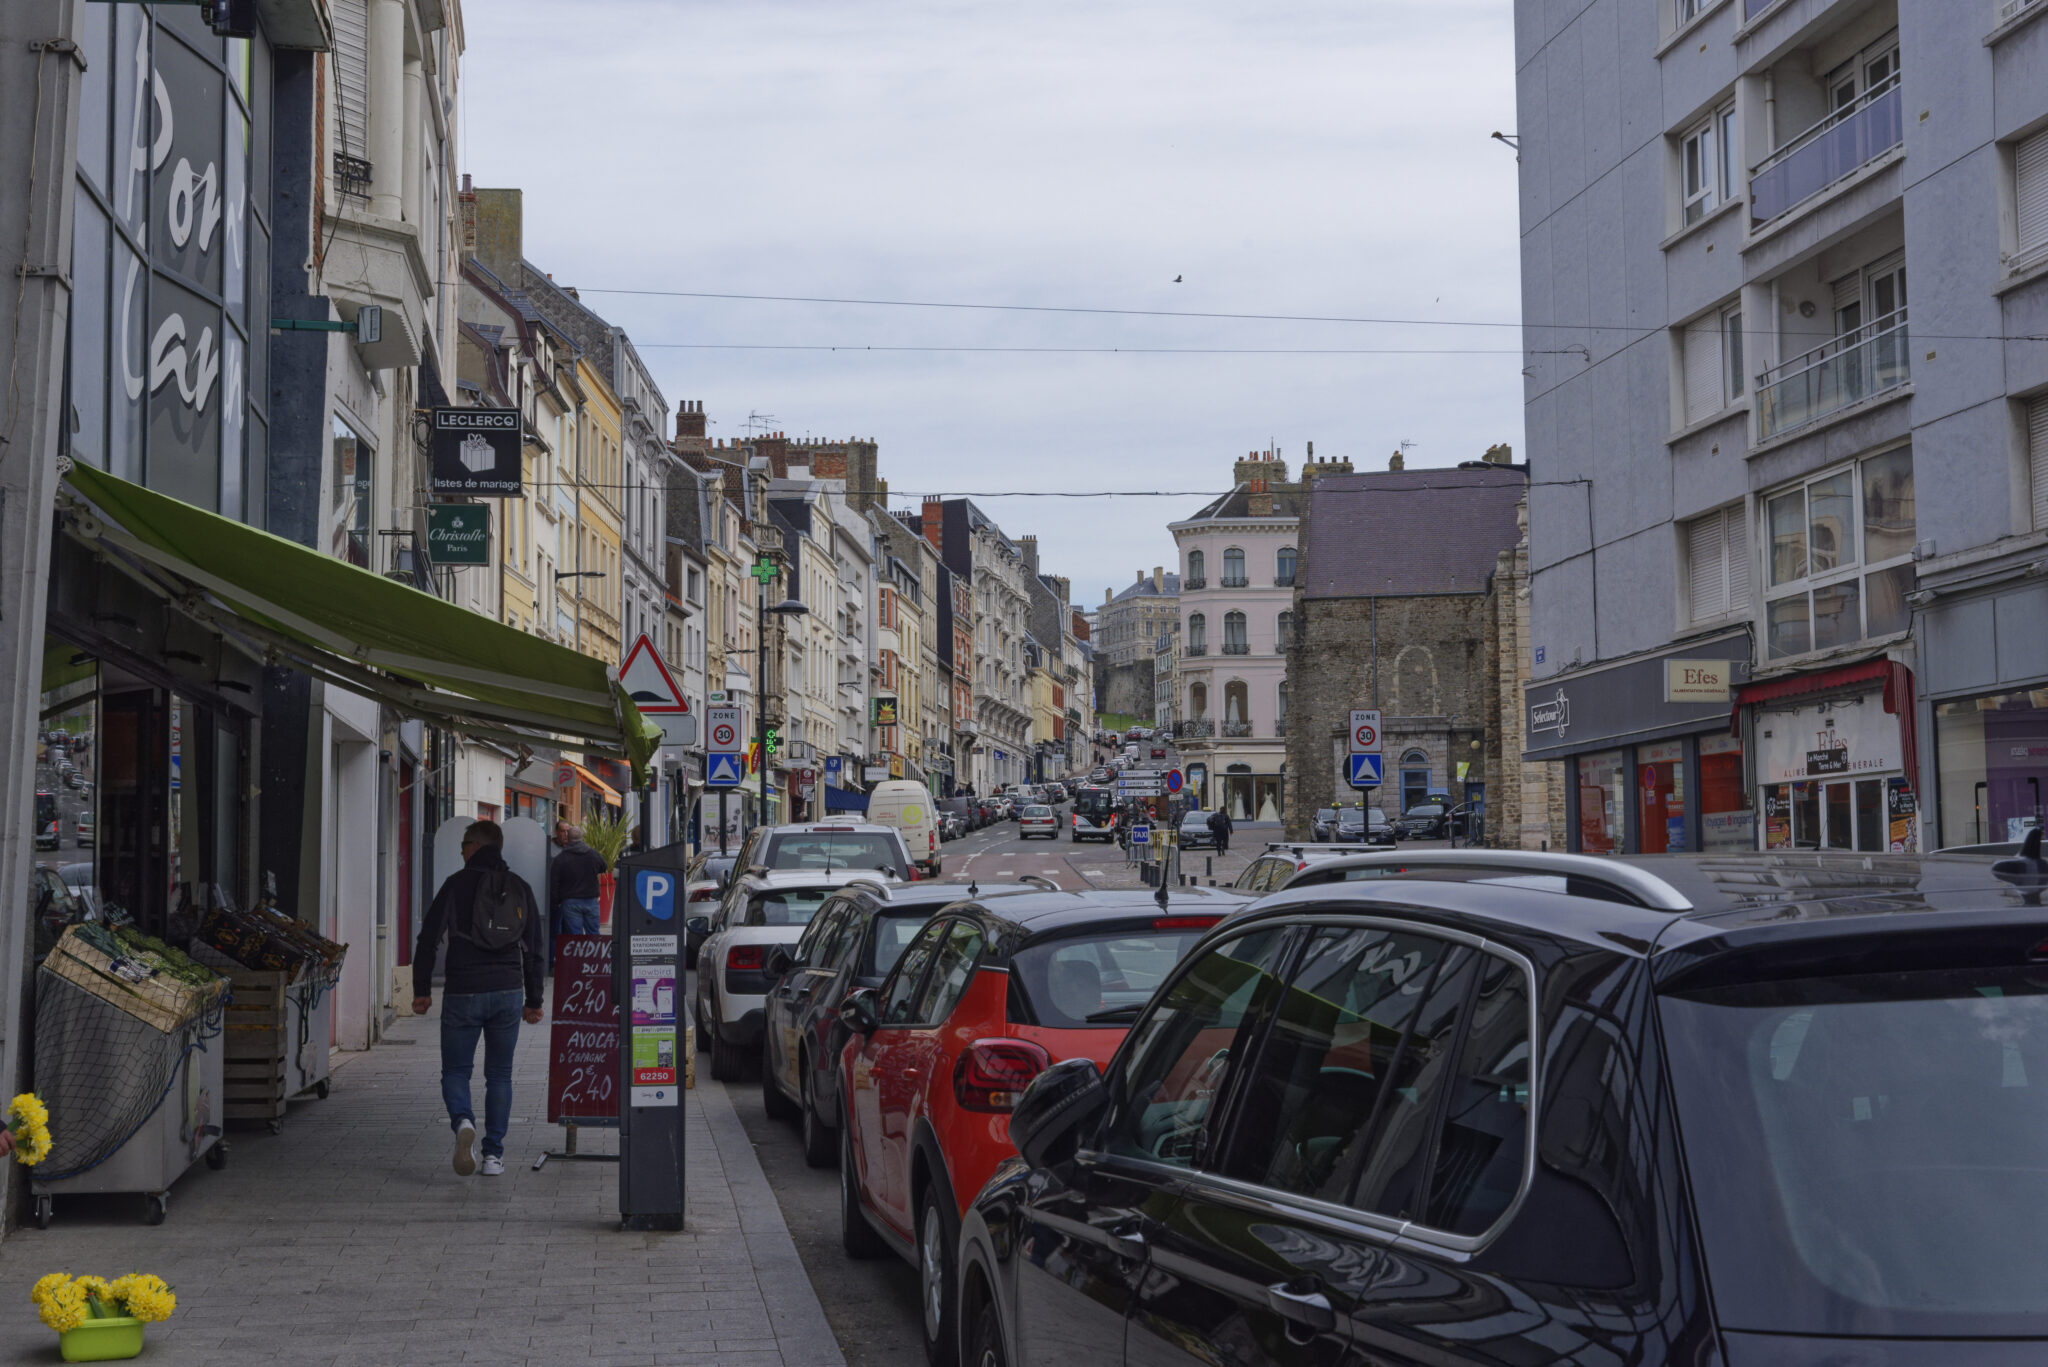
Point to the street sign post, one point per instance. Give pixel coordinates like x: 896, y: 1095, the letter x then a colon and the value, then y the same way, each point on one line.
x: 727, y: 729
x: 655, y: 692
x: 1365, y: 730
x: 1365, y: 771
x: 722, y: 771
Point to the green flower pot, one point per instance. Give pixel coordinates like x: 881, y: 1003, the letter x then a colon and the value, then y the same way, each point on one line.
x: 102, y: 1340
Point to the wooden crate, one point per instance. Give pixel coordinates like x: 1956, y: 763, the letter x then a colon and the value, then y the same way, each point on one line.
x: 254, y: 1044
x: 158, y: 1000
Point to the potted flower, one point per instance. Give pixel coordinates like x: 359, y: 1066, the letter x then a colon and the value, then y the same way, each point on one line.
x: 101, y: 1321
x: 607, y: 835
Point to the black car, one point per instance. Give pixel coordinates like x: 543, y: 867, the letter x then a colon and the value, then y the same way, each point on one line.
x: 1194, y: 830
x: 1424, y: 821
x: 1323, y: 825
x: 1743, y: 1110
x: 852, y: 942
x: 1363, y: 826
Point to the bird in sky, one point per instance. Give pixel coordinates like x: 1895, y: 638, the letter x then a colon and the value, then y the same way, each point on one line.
x: 1176, y: 280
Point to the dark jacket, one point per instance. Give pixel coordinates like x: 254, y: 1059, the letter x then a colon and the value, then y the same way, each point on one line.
x: 470, y: 967
x: 573, y: 872
x: 1219, y: 822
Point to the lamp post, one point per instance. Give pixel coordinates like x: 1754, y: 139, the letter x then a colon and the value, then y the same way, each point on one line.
x: 764, y: 570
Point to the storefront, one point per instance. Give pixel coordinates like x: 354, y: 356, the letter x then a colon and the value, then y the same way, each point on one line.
x: 1835, y: 765
x: 1651, y: 764
x: 1985, y: 672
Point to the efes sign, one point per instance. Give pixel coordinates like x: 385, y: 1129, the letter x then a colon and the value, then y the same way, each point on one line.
x: 459, y: 534
x: 476, y: 452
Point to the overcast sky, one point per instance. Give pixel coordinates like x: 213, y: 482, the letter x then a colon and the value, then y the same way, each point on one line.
x: 1292, y: 156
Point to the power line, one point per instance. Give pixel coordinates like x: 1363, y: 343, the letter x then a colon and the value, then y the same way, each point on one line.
x: 1110, y: 350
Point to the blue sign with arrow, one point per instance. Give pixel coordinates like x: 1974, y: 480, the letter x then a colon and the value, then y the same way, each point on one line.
x: 722, y: 771
x: 1365, y: 771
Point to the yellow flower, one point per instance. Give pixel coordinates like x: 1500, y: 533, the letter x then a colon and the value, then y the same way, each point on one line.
x: 146, y: 1297
x: 64, y: 1308
x: 32, y: 1145
x: 40, y: 1292
x: 29, y: 1121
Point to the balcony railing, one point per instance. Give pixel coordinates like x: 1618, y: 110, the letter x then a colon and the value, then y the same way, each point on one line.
x: 1752, y: 8
x: 1280, y: 647
x: 1189, y: 583
x: 2011, y: 8
x: 1280, y: 727
x: 1237, y: 648
x: 1200, y: 726
x: 1283, y: 581
x: 352, y: 176
x: 1196, y: 649
x: 1234, y: 581
x: 1848, y: 139
x: 1238, y: 729
x: 1842, y: 371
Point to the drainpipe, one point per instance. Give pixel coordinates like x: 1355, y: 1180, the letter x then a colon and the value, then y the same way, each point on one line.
x: 1771, y: 110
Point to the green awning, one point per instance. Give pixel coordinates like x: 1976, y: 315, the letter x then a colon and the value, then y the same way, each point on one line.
x: 373, y: 635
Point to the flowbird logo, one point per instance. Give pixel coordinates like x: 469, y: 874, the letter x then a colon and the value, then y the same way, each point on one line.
x: 477, y: 455
x: 1553, y: 714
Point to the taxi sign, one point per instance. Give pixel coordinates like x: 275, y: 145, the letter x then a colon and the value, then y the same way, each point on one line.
x: 1141, y: 835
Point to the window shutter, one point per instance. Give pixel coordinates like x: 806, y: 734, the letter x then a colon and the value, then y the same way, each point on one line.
x: 2030, y: 192
x: 1736, y: 537
x: 2037, y: 451
x: 1706, y: 567
x: 352, y: 75
x: 1702, y: 367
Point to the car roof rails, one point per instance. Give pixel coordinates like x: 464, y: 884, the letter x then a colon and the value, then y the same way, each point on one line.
x: 1628, y: 881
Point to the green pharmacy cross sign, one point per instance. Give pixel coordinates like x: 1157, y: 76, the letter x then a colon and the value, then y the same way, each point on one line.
x: 459, y: 534
x: 763, y: 570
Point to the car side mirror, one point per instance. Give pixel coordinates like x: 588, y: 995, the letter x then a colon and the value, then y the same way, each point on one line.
x: 1061, y: 1105
x: 779, y: 962
x: 698, y: 925
x: 861, y: 1012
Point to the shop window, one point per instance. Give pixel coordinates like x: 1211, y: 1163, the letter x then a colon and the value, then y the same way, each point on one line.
x: 1601, y: 795
x: 1991, y: 754
x: 1841, y: 814
x: 1726, y: 820
x: 348, y: 509
x: 1840, y: 562
x: 1660, y: 797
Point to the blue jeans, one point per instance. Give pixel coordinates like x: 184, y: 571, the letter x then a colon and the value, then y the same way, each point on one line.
x: 578, y: 915
x: 495, y: 1016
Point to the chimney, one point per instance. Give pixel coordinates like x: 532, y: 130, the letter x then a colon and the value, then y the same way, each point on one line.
x: 690, y: 419
x: 500, y: 233
x: 1158, y: 579
x: 1029, y: 546
x: 1107, y: 598
x: 1397, y: 461
x: 934, y: 531
x: 1503, y: 454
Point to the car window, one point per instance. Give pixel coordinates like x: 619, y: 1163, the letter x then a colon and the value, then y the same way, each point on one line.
x: 891, y: 935
x: 897, y: 997
x: 1347, y: 1081
x: 793, y: 907
x: 1484, y: 1144
x: 845, y: 933
x: 1181, y: 1049
x: 833, y: 850
x: 1038, y: 809
x: 952, y: 966
x: 814, y: 934
x: 1248, y: 881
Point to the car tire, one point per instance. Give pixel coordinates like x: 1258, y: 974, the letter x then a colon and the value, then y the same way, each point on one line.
x: 728, y: 1063
x: 821, y: 1146
x: 938, y: 1298
x: 778, y: 1106
x: 856, y: 1235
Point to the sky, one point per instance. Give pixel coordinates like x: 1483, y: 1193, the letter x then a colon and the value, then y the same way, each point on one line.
x: 1301, y: 157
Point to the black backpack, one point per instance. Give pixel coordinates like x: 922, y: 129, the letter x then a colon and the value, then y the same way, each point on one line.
x: 497, y: 914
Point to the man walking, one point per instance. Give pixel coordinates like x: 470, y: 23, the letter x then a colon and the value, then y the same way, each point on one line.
x: 1219, y: 830
x: 572, y: 882
x: 497, y: 956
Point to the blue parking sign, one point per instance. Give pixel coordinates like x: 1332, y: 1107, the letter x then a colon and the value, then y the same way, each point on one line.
x: 656, y: 889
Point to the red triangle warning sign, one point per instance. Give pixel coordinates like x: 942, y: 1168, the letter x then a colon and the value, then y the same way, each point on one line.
x: 649, y: 684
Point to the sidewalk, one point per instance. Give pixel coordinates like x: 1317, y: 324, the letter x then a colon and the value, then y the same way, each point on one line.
x: 347, y: 1240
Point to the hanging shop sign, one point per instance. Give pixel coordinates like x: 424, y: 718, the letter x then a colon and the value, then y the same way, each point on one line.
x: 884, y: 711
x: 1843, y: 736
x: 476, y: 452
x: 459, y: 534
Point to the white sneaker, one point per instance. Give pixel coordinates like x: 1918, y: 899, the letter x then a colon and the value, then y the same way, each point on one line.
x: 465, y: 1149
x: 494, y: 1166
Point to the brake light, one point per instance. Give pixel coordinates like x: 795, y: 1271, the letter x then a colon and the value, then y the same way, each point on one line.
x: 746, y: 958
x: 992, y: 1073
x: 1185, y: 922
x: 709, y: 894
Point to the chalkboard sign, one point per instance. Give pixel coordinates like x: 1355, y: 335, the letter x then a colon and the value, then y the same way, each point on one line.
x: 583, y: 1064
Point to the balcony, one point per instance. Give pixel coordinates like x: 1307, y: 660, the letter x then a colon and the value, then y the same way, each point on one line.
x: 1190, y: 584
x: 1752, y: 8
x: 1200, y: 726
x: 1237, y: 729
x: 1283, y: 581
x: 1196, y: 650
x: 1842, y: 371
x: 1234, y: 581
x: 1237, y: 648
x: 1827, y: 153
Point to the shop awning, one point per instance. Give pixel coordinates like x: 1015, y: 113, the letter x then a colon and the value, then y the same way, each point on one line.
x: 596, y: 784
x: 360, y: 631
x: 844, y: 800
x: 1898, y: 698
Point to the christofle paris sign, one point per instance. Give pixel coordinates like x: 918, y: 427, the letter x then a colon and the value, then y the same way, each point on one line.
x: 459, y: 534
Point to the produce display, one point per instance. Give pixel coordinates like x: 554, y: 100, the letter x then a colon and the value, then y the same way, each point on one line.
x: 262, y: 938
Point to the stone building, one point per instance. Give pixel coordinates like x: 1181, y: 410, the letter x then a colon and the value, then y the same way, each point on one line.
x: 1397, y: 606
x: 1129, y: 623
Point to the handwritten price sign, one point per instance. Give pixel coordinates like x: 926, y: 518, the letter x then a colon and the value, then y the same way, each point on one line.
x: 583, y: 1064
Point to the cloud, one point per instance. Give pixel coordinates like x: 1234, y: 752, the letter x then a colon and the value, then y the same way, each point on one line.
x: 1326, y: 158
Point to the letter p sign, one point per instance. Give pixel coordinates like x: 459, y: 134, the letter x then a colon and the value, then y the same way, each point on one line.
x: 657, y: 893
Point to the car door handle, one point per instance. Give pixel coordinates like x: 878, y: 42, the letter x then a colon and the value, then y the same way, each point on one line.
x: 1128, y: 1239
x: 1310, y: 1309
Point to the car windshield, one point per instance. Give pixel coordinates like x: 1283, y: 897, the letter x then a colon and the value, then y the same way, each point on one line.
x: 1038, y: 809
x: 892, y: 936
x: 789, y: 907
x: 1064, y: 982
x: 1094, y: 802
x: 1870, y: 1154
x: 1196, y: 819
x: 1326, y: 814
x: 1354, y: 817
x: 1427, y: 809
x: 837, y: 850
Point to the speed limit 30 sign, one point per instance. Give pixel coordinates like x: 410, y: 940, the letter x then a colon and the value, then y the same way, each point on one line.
x: 1365, y: 730
x: 724, y: 723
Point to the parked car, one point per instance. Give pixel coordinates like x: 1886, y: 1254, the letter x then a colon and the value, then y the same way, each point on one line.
x: 1099, y: 774
x: 907, y: 807
x: 85, y: 831
x: 985, y: 997
x: 49, y: 825
x: 1194, y: 830
x: 1276, y: 868
x: 763, y: 911
x: 1056, y: 792
x: 853, y: 941
x: 828, y: 847
x: 1094, y: 816
x: 1744, y: 1109
x: 1363, y: 826
x: 703, y: 885
x: 1323, y: 825
x: 1424, y: 821
x: 1038, y: 819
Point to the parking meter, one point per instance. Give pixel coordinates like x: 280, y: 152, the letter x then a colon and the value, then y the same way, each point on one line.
x: 647, y: 930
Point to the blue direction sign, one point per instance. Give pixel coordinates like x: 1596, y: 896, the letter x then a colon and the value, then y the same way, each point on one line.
x: 1141, y: 835
x: 1365, y: 771
x: 722, y: 771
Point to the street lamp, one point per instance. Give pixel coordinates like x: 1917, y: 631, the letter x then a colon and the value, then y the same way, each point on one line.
x: 763, y: 571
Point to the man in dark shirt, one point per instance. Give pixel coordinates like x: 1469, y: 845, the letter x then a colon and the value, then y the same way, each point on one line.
x: 488, y: 992
x: 1220, y: 827
x: 572, y: 882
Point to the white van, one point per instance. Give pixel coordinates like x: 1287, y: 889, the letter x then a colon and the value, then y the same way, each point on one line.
x: 909, y: 808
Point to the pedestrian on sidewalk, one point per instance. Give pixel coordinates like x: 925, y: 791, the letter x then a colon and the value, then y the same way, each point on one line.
x: 497, y: 956
x: 572, y: 882
x: 1219, y: 829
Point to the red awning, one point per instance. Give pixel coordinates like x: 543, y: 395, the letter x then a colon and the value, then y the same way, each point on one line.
x: 1898, y: 699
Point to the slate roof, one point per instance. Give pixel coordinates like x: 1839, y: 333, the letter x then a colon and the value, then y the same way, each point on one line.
x: 1237, y: 505
x: 1409, y: 531
x: 1170, y: 588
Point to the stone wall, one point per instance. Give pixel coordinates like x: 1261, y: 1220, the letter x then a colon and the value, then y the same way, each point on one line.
x: 1525, y: 801
x: 1125, y: 690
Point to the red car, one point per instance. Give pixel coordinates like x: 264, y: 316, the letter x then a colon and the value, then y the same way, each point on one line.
x: 987, y: 996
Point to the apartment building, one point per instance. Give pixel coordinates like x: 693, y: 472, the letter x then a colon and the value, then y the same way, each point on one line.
x: 990, y: 567
x: 1788, y: 435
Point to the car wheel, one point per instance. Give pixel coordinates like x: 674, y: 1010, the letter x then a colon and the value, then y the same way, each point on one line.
x: 778, y: 1106
x: 856, y: 1235
x: 819, y: 1146
x: 728, y: 1064
x: 937, y: 1297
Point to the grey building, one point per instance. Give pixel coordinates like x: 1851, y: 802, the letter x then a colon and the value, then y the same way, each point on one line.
x: 1787, y: 538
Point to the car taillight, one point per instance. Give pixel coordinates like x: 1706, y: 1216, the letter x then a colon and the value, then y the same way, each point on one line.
x: 709, y: 894
x: 1185, y: 922
x: 992, y: 1073
x: 746, y: 958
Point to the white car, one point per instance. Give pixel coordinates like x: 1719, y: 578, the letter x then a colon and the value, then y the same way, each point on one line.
x: 763, y: 910
x: 1038, y: 819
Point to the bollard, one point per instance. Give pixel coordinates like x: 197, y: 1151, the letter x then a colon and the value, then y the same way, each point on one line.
x: 1209, y: 868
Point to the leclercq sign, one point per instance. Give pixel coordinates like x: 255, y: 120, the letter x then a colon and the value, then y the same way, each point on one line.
x: 476, y: 452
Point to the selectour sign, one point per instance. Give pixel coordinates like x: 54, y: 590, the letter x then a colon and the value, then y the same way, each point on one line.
x: 459, y: 534
x: 476, y: 452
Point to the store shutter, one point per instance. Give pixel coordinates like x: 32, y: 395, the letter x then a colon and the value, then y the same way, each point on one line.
x: 1703, y: 392
x: 352, y: 75
x: 1735, y: 522
x: 1706, y: 567
x: 2030, y: 192
x: 2037, y: 453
